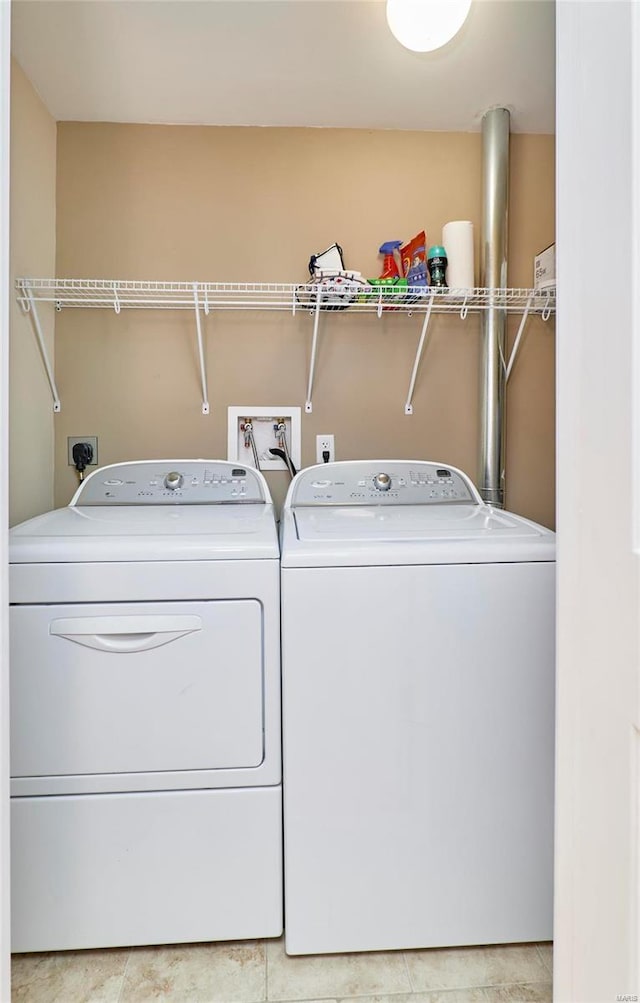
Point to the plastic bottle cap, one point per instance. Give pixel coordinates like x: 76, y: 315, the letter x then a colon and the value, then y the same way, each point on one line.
x: 437, y: 251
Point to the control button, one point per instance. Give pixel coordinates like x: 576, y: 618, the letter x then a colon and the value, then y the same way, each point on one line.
x: 382, y: 482
x: 113, y: 482
x: 320, y: 484
x: 173, y: 480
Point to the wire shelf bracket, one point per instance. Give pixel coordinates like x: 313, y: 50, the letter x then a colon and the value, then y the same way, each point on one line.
x: 308, y: 407
x: 204, y: 297
x: 28, y: 304
x: 408, y: 408
x: 545, y: 313
x: 203, y: 370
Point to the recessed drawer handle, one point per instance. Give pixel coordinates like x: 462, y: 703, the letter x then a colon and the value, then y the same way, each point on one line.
x: 124, y: 633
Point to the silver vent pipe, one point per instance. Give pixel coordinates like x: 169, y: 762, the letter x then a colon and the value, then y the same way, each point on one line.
x: 493, y: 275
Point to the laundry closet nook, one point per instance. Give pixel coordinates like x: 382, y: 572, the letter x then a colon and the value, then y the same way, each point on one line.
x: 206, y: 151
x: 246, y: 204
x: 165, y: 224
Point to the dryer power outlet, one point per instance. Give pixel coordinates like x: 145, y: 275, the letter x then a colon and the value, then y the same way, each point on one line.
x: 92, y: 440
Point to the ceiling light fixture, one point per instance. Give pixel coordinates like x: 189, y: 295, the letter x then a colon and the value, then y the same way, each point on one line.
x: 424, y: 25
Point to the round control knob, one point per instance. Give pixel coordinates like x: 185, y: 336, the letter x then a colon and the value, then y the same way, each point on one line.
x: 173, y: 480
x: 382, y: 482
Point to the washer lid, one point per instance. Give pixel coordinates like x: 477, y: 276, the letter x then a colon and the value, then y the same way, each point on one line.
x: 359, y: 513
x: 415, y: 522
x: 79, y: 534
x: 411, y: 534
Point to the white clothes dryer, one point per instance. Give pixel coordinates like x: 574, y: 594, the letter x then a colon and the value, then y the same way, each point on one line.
x: 145, y: 711
x: 418, y: 712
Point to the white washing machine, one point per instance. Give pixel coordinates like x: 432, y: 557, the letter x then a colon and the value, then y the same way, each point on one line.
x: 145, y: 711
x: 418, y: 712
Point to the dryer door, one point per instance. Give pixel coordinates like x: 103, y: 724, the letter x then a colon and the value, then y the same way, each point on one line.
x: 136, y: 687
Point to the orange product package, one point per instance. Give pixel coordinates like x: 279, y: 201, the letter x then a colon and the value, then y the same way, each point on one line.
x: 414, y: 260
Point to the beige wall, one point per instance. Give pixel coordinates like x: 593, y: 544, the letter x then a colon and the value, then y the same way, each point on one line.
x: 214, y: 204
x: 33, y: 214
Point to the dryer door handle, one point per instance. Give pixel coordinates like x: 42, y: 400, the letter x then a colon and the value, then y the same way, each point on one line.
x: 124, y: 633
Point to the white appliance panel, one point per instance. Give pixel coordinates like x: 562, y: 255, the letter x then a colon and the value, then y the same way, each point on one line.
x: 384, y: 535
x: 381, y: 482
x: 146, y: 533
x: 145, y: 663
x: 125, y: 869
x: 146, y: 580
x: 409, y: 522
x: 131, y: 687
x: 418, y: 755
x: 173, y: 483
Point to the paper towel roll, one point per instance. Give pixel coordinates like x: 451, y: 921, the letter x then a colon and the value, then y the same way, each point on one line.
x: 457, y: 239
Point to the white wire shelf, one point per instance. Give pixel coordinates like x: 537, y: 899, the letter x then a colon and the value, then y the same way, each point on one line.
x: 325, y: 296
x: 119, y: 295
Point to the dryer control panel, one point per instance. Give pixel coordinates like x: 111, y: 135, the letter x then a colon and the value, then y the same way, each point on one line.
x: 382, y: 482
x: 173, y: 482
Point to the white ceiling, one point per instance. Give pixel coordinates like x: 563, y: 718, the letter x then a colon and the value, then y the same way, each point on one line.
x: 324, y: 63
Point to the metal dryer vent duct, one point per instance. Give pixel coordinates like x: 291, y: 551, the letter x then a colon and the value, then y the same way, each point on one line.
x: 493, y: 275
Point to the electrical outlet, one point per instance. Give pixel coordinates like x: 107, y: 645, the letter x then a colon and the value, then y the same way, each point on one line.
x: 93, y: 442
x: 325, y: 444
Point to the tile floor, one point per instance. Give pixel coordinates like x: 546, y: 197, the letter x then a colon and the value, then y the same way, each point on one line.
x: 255, y: 971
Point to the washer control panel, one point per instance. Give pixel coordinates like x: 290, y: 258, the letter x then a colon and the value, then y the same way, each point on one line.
x: 172, y: 482
x: 383, y: 482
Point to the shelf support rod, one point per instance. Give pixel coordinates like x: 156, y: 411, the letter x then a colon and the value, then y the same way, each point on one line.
x: 203, y: 373
x: 308, y: 407
x: 408, y: 408
x: 516, y: 344
x: 35, y: 320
